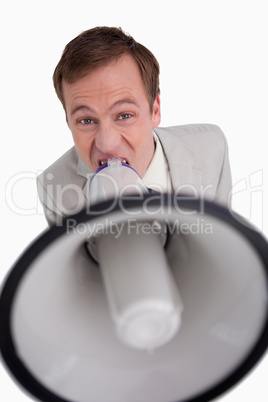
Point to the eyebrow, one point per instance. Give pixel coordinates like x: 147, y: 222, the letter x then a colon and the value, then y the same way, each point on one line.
x: 129, y: 101
x: 81, y: 107
x: 120, y: 102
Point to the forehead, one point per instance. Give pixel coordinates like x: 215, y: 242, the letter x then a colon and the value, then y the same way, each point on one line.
x: 120, y: 75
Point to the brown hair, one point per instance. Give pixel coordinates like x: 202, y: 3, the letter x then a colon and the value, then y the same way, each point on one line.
x: 98, y: 47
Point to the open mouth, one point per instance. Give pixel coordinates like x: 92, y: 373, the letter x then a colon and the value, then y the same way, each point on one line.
x: 104, y: 161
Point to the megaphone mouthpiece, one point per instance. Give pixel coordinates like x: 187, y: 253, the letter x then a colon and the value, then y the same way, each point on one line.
x: 114, y: 179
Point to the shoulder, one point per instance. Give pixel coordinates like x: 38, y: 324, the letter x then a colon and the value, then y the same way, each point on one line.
x: 207, y: 138
x: 190, y: 132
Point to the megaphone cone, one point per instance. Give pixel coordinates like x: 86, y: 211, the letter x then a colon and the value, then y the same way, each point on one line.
x: 73, y: 330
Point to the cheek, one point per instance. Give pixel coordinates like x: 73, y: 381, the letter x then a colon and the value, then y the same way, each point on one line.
x: 82, y: 141
x: 143, y: 132
x: 84, y: 149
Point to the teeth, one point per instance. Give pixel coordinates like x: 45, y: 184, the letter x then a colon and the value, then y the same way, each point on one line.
x: 105, y: 161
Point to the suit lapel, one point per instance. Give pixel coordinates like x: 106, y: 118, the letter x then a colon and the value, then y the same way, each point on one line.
x: 185, y: 177
x: 185, y: 180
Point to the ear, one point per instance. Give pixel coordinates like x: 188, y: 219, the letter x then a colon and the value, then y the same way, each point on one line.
x: 156, y: 115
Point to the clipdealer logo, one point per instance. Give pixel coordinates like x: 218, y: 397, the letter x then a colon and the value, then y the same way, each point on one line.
x: 246, y: 195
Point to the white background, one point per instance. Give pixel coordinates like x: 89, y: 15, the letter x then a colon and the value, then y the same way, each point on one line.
x: 213, y: 58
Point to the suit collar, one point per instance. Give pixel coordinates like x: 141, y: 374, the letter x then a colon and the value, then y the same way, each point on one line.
x: 180, y: 158
x: 178, y: 152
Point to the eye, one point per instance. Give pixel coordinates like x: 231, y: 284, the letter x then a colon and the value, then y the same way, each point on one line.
x: 124, y: 116
x: 86, y: 121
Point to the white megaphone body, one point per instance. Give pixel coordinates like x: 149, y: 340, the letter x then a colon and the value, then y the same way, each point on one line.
x: 143, y: 298
x: 183, y: 279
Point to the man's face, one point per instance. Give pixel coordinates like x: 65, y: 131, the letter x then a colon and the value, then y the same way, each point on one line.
x: 109, y: 116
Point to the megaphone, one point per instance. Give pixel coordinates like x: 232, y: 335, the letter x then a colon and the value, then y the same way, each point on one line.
x: 150, y: 297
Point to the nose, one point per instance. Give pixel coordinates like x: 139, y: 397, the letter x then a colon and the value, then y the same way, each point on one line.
x: 108, y: 139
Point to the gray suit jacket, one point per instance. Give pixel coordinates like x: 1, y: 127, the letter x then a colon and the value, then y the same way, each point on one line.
x: 197, y: 156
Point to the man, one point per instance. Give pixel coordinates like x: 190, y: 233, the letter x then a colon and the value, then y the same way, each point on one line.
x: 109, y: 87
